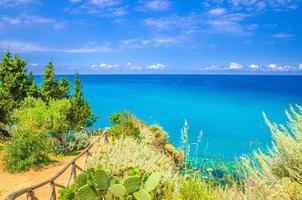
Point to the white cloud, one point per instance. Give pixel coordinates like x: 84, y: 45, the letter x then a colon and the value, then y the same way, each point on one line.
x: 157, y: 5
x: 119, y: 11
x: 234, y: 65
x: 102, y: 8
x: 15, y: 2
x: 104, y: 66
x: 254, y: 67
x: 283, y: 35
x: 132, y: 66
x: 34, y: 64
x: 107, y: 66
x: 149, y: 42
x: 156, y: 67
x: 217, y: 11
x: 286, y: 68
x: 30, y: 20
x: 170, y: 22
x: 210, y: 68
x: 254, y: 5
x: 272, y: 67
x: 300, y: 67
x: 21, y: 46
x: 104, y: 3
x: 230, y: 23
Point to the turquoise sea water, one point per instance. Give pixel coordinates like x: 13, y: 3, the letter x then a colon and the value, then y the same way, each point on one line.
x: 227, y: 108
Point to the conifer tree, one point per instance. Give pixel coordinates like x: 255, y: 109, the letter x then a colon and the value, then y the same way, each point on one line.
x: 80, y: 115
x: 15, y: 85
x: 51, y: 88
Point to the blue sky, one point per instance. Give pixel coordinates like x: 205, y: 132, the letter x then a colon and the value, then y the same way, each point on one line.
x: 155, y: 36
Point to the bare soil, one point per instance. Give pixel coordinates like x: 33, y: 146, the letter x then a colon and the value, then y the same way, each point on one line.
x: 11, y: 182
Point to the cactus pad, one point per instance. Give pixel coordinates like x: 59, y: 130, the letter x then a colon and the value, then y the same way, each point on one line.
x: 81, y: 179
x: 153, y: 181
x: 86, y: 192
x: 101, y: 180
x: 117, y: 190
x: 132, y: 184
x: 142, y: 195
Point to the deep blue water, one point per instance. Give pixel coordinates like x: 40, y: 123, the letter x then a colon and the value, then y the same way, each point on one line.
x: 228, y: 108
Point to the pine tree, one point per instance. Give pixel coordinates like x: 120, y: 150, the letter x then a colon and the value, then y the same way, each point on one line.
x: 15, y: 85
x: 51, y: 88
x: 80, y: 115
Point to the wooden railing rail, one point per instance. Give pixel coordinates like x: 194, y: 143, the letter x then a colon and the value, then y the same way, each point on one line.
x: 30, y: 191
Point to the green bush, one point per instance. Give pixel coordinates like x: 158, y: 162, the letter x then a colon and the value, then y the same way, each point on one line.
x: 123, y: 125
x: 25, y: 150
x: 72, y: 141
x: 128, y: 152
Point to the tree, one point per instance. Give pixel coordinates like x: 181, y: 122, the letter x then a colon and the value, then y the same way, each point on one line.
x: 51, y: 88
x: 80, y: 112
x: 15, y: 85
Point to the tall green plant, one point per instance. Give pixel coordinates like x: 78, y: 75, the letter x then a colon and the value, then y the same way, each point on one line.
x: 51, y: 88
x: 80, y: 111
x: 15, y: 85
x: 26, y: 150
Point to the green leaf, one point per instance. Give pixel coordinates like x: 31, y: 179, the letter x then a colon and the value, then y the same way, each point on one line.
x: 132, y: 184
x: 142, y: 195
x: 87, y: 193
x: 117, y: 190
x: 153, y: 181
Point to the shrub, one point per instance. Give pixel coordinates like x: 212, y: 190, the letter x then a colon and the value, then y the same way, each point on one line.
x: 25, y: 150
x: 278, y: 171
x: 73, y: 141
x: 128, y: 152
x: 123, y: 125
x: 37, y: 116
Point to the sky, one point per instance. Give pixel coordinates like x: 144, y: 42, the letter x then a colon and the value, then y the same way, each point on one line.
x: 155, y: 36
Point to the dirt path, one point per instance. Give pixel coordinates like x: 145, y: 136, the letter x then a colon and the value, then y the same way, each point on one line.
x: 12, y: 182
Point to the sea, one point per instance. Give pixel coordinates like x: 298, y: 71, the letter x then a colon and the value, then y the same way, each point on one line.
x: 228, y: 109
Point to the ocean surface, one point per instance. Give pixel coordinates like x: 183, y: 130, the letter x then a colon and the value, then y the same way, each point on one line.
x: 227, y: 108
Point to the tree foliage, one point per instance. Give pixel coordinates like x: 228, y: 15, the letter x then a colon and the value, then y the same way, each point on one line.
x: 51, y: 88
x: 80, y: 112
x: 15, y: 85
x: 26, y: 150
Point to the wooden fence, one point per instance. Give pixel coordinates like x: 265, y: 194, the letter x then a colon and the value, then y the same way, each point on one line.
x: 30, y: 191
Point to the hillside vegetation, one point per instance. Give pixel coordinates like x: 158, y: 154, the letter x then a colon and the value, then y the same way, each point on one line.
x: 137, y: 161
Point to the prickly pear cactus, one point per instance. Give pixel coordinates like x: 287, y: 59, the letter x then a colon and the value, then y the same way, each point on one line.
x: 81, y: 179
x: 132, y: 184
x: 86, y: 192
x: 117, y: 190
x: 153, y: 181
x: 101, y: 180
x: 142, y: 194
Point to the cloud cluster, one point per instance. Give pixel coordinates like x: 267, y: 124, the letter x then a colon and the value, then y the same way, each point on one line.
x: 172, y: 21
x: 149, y: 42
x: 104, y: 8
x: 127, y: 67
x: 283, y: 35
x: 15, y: 2
x: 21, y: 46
x: 156, y: 5
x: 254, y: 5
x: 104, y: 66
x: 254, y: 68
x: 30, y: 20
x: 157, y: 66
